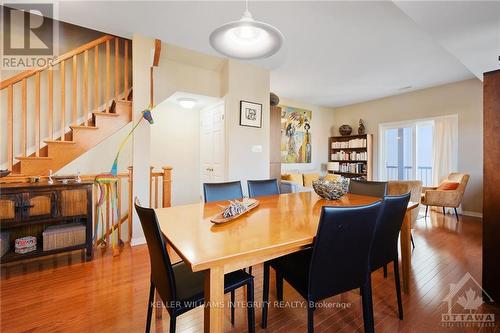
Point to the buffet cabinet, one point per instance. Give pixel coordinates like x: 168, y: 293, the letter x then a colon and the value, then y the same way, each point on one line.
x: 29, y: 209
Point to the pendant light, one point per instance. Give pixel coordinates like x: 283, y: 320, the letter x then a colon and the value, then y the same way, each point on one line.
x: 246, y: 39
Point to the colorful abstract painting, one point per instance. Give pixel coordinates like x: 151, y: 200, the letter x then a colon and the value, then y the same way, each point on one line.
x: 295, y: 135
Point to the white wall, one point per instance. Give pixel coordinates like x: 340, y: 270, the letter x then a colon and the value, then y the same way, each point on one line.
x: 175, y: 141
x: 321, y: 130
x: 249, y: 83
x: 464, y: 98
x: 141, y: 62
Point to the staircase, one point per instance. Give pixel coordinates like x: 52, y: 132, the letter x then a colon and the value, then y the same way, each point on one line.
x: 80, y: 125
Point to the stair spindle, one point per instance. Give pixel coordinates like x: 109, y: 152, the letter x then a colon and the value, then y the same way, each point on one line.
x: 74, y: 96
x: 50, y: 100
x: 86, y: 110
x: 62, y: 69
x: 117, y: 55
x: 96, y: 78
x: 107, y: 74
x: 10, y: 128
x: 125, y: 70
x: 24, y: 132
x: 37, y: 114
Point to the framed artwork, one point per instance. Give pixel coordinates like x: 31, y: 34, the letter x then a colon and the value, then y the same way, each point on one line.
x: 295, y: 135
x: 250, y: 114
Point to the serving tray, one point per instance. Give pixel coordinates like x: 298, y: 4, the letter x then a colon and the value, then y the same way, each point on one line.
x: 249, y: 203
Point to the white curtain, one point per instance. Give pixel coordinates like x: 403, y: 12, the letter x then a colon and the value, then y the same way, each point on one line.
x: 444, y: 147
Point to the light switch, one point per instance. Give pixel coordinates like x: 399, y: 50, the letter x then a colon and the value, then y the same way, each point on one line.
x: 256, y: 149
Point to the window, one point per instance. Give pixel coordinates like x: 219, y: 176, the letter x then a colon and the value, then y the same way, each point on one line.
x: 406, y: 151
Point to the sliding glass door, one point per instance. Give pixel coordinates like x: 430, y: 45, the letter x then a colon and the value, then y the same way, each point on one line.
x: 406, y: 151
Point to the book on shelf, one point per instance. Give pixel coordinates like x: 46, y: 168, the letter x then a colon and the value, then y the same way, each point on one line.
x: 352, y: 156
x: 353, y: 143
x: 350, y: 167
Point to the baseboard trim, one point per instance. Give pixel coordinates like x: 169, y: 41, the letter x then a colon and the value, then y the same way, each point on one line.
x: 473, y: 214
x: 138, y: 241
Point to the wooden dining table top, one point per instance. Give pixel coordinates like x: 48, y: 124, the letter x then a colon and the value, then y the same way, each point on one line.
x: 279, y: 222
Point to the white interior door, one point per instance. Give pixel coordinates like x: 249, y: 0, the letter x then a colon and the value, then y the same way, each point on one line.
x: 212, y: 144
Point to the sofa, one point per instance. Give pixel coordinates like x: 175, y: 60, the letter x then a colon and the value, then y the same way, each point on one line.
x: 292, y: 182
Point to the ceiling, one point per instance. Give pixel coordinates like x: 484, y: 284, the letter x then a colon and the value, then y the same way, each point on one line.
x: 335, y: 53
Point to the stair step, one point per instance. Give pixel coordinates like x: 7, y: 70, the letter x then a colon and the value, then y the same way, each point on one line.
x: 84, y: 127
x: 33, y: 158
x: 58, y: 141
x: 106, y: 114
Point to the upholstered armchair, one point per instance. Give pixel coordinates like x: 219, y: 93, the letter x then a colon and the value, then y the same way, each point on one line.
x: 398, y: 187
x: 448, y: 194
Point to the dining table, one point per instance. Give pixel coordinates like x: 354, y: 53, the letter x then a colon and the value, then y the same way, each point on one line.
x: 280, y: 225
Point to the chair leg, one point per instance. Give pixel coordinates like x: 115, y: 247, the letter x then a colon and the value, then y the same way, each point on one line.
x: 426, y: 209
x: 150, y: 307
x: 279, y: 286
x: 173, y: 319
x: 412, y: 242
x: 398, y: 288
x: 250, y: 270
x: 456, y: 213
x: 385, y: 271
x: 265, y: 295
x: 231, y: 306
x: 310, y: 316
x: 250, y: 307
x: 368, y: 306
x: 444, y: 212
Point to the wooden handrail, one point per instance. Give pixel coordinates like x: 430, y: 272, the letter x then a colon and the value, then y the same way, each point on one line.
x: 16, y: 78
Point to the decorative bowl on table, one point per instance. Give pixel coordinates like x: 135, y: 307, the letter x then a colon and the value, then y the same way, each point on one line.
x: 331, y: 190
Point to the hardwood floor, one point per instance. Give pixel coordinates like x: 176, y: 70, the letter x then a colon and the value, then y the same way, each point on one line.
x: 64, y: 294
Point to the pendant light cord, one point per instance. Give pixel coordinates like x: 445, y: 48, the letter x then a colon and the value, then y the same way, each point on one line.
x: 246, y: 5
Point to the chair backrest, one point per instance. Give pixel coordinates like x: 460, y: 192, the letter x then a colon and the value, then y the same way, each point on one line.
x: 162, y: 274
x: 262, y: 187
x: 363, y: 187
x: 222, y: 191
x: 341, y: 250
x: 462, y: 179
x: 385, y: 238
x: 399, y: 187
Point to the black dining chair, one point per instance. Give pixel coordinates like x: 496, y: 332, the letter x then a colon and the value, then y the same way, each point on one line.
x: 385, y: 238
x: 222, y: 191
x: 370, y: 188
x: 179, y: 288
x: 263, y: 187
x: 325, y: 269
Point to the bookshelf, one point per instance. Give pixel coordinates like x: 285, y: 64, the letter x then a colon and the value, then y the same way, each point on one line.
x: 351, y: 156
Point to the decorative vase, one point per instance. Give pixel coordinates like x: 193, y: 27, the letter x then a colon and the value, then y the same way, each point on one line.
x: 361, y: 128
x: 274, y: 99
x: 331, y: 190
x: 345, y: 130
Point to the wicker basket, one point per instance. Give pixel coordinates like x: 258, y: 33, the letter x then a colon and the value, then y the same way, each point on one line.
x: 57, y: 237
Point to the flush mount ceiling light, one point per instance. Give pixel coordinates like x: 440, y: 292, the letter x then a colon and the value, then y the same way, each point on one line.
x: 187, y: 103
x: 246, y: 39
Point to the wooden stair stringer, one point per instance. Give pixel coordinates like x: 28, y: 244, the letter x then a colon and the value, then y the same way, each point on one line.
x: 84, y: 138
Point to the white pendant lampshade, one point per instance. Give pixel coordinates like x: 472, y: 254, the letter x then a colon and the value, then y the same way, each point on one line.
x: 246, y: 39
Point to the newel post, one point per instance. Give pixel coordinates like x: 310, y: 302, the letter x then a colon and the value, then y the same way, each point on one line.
x: 167, y: 186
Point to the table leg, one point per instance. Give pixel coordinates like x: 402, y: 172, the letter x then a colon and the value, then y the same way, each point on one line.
x: 406, y: 251
x: 214, y: 300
